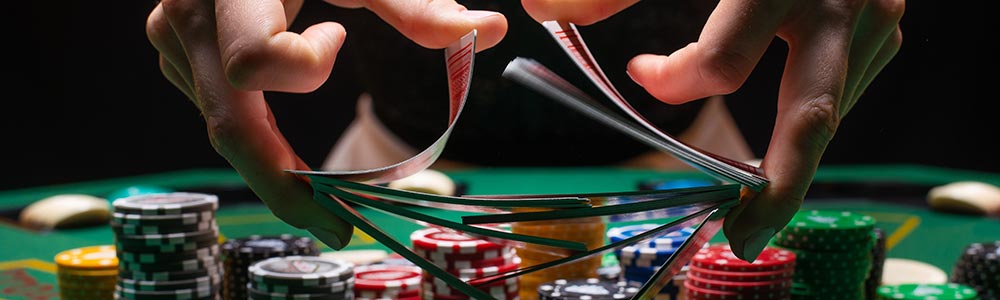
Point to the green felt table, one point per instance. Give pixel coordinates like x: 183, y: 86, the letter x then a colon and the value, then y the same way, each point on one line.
x: 893, y: 194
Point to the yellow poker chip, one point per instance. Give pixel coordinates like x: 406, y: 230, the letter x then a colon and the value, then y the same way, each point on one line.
x: 100, y: 257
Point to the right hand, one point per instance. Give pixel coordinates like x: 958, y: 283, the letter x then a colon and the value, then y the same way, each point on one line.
x: 224, y: 54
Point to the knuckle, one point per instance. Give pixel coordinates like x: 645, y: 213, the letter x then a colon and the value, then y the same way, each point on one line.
x: 822, y: 117
x: 223, y: 132
x: 243, y: 65
x: 725, y: 70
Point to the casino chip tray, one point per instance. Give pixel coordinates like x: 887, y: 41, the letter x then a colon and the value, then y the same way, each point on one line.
x: 167, y: 246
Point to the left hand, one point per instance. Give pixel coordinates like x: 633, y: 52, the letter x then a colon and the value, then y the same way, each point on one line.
x: 836, y: 49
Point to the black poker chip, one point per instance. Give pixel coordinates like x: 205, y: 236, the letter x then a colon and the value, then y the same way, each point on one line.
x: 240, y: 253
x: 878, y: 263
x: 260, y: 295
x: 162, y: 285
x: 137, y: 229
x: 167, y: 203
x: 169, y: 276
x: 184, y: 294
x: 979, y: 267
x: 590, y: 288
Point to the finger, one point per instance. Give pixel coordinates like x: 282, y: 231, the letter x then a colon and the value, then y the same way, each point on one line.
x: 808, y: 115
x: 242, y: 130
x: 888, y: 51
x: 879, y: 19
x: 436, y: 24
x: 581, y: 12
x: 732, y: 41
x: 162, y: 36
x: 175, y: 78
x: 259, y: 54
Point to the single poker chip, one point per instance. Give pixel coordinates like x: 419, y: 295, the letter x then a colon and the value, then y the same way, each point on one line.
x: 487, y: 271
x: 831, y: 224
x: 151, y: 285
x: 156, y: 257
x: 359, y: 257
x: 694, y: 292
x: 387, y: 277
x: 100, y: 257
x: 454, y: 264
x: 585, y: 289
x: 773, y: 286
x: 168, y: 248
x: 163, y: 220
x: 185, y: 265
x: 441, y: 288
x: 721, y: 257
x: 449, y: 292
x: 668, y: 241
x: 301, y: 271
x: 946, y: 291
x: 182, y: 294
x: 337, y: 287
x: 255, y: 294
x: 435, y: 239
x: 153, y: 240
x: 630, y: 256
x: 477, y: 256
x: 166, y: 203
x: 740, y: 276
x: 142, y: 229
x: 169, y: 276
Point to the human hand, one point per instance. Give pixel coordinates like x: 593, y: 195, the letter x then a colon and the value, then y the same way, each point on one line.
x: 836, y: 49
x: 224, y: 54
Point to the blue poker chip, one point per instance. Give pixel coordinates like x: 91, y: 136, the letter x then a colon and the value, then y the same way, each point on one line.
x: 667, y: 241
x: 632, y: 256
x: 682, y: 183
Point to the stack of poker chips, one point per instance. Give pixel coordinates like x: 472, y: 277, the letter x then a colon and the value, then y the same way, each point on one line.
x: 167, y: 246
x: 238, y: 254
x: 301, y: 277
x: 716, y: 273
x: 833, y: 252
x: 640, y: 261
x: 387, y: 282
x: 588, y: 288
x: 589, y: 231
x: 878, y: 264
x: 467, y: 258
x: 979, y: 268
x: 922, y: 291
x: 87, y: 272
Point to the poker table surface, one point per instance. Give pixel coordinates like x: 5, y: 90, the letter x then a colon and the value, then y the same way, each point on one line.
x: 895, y: 195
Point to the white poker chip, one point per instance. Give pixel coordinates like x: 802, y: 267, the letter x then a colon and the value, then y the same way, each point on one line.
x: 428, y: 181
x: 66, y: 210
x: 972, y: 197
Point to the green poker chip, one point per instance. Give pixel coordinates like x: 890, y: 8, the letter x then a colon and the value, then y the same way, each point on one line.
x: 947, y: 291
x: 831, y: 223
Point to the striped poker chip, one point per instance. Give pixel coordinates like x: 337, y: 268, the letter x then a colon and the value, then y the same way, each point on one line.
x: 335, y: 288
x: 381, y: 278
x: 721, y: 257
x: 155, y: 257
x: 163, y: 220
x: 166, y: 203
x: 740, y: 276
x: 666, y: 241
x: 141, y: 229
x: 507, y: 258
x: 590, y: 288
x: 154, y: 240
x: 487, y: 271
x: 435, y: 239
x: 439, y: 287
x: 255, y: 294
x: 478, y: 256
x: 301, y: 271
x: 694, y: 292
x: 152, y: 285
x: 773, y: 286
x: 632, y: 256
x: 182, y: 294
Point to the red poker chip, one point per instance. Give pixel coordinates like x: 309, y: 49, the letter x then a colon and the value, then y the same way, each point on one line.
x: 741, y: 276
x: 721, y: 257
x: 743, y: 287
x: 482, y: 255
x: 397, y: 278
x: 502, y: 296
x: 434, y: 239
x: 694, y: 292
x: 475, y: 263
x: 487, y: 271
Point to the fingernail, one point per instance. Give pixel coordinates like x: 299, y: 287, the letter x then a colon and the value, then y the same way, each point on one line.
x: 327, y: 237
x: 755, y: 243
x: 479, y: 14
x: 632, y: 77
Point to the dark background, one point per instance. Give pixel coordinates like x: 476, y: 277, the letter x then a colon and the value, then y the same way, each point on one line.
x: 85, y: 99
